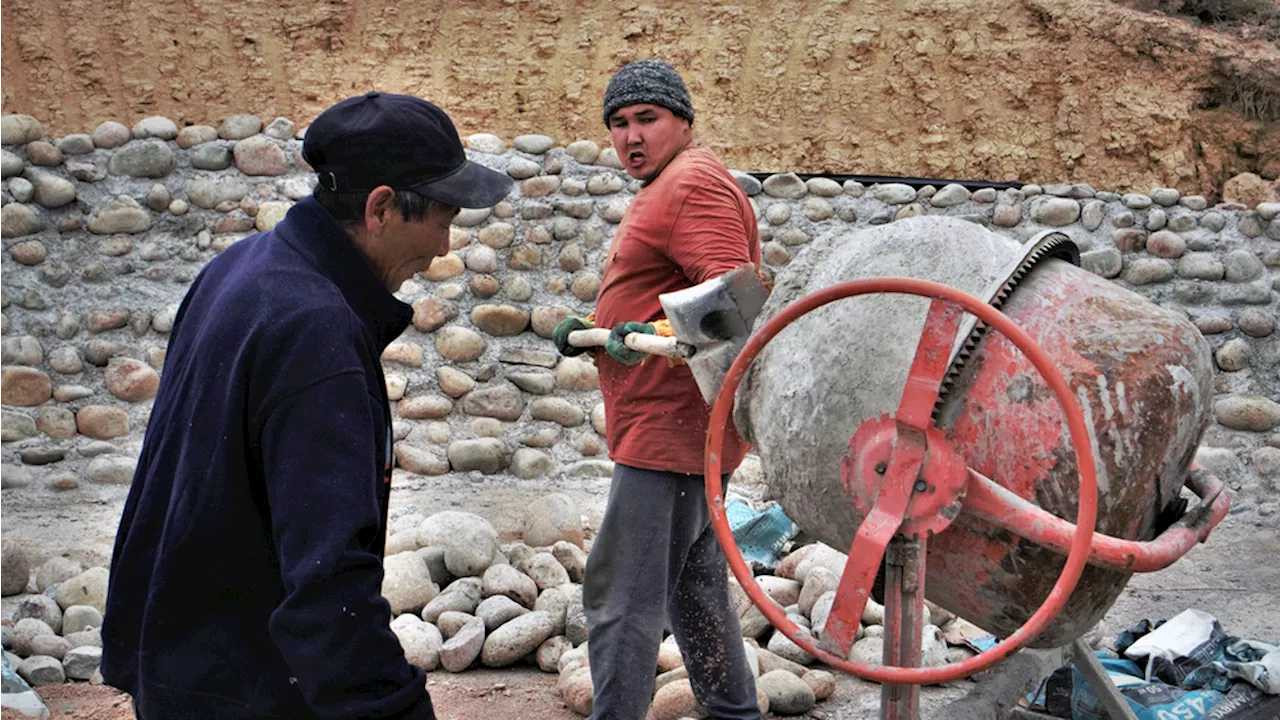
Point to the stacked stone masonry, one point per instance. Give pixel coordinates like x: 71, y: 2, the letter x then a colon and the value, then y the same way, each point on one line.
x: 103, y: 233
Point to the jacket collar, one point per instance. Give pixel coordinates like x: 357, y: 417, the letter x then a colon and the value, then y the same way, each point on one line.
x: 311, y: 231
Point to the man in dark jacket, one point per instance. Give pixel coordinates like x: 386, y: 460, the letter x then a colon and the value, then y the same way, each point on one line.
x: 246, y: 579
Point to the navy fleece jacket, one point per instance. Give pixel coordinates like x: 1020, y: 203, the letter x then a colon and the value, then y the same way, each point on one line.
x: 246, y: 578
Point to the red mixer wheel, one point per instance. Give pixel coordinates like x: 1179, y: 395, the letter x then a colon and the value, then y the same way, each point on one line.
x: 920, y: 392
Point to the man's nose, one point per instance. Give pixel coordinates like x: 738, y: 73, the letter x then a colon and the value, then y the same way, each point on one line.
x: 633, y: 135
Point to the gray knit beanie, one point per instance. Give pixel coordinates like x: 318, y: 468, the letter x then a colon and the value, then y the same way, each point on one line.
x: 650, y: 82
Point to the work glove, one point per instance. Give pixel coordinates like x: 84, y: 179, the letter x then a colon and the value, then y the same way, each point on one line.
x: 617, y: 347
x: 560, y: 335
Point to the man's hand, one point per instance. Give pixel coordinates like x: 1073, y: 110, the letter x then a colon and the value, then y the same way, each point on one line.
x: 616, y: 346
x: 560, y: 335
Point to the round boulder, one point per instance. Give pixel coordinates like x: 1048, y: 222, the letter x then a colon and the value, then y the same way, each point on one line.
x: 500, y: 320
x: 498, y: 610
x: 464, y: 647
x: 552, y: 518
x: 439, y: 529
x: 547, y: 572
x: 508, y: 581
x: 1234, y: 355
x: 15, y: 568
x: 788, y: 694
x: 55, y: 570
x: 259, y: 155
x: 556, y: 601
x: 486, y: 455
x: 821, y: 682
x: 461, y: 597
x: 406, y: 583
x: 145, y: 159
x: 27, y: 630
x: 1256, y: 413
x: 459, y: 344
x: 87, y: 588
x: 516, y: 639
x: 111, y: 470
x: 82, y: 662
x: 79, y: 618
x: 40, y: 607
x: 42, y: 670
x: 673, y: 701
x: 25, y: 386
x: 527, y: 463
x: 420, y: 640
x: 20, y: 129
x: 131, y: 380
x: 577, y: 691
x: 470, y: 552
x: 572, y: 557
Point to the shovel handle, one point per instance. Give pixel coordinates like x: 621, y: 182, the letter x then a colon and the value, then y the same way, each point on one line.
x: 643, y: 342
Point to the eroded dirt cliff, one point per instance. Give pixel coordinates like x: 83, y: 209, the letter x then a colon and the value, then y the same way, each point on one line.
x: 1030, y: 90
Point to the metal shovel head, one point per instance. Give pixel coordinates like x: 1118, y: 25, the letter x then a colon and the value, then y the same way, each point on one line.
x: 716, y: 317
x: 723, y: 308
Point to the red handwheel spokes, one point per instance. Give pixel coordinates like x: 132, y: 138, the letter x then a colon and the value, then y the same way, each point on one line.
x: 892, y: 459
x: 913, y: 452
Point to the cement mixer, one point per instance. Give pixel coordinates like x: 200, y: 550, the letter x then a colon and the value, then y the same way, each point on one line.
x: 945, y: 401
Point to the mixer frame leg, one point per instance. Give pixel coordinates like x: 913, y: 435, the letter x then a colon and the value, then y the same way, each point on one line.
x: 903, y: 624
x: 1112, y: 700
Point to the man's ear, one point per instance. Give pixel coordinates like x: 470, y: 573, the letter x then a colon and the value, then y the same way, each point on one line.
x: 378, y: 208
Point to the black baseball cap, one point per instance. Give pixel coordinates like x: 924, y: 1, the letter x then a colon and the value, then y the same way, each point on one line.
x: 400, y: 141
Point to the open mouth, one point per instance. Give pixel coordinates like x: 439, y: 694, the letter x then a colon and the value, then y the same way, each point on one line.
x: 635, y: 159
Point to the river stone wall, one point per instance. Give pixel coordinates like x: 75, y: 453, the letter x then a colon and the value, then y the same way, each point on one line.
x: 103, y: 232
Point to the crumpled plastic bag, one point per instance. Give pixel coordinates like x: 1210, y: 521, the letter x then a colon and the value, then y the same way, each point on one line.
x: 18, y: 695
x: 1185, y: 668
x: 760, y: 534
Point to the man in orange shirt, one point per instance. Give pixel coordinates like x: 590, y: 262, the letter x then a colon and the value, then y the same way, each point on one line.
x: 656, y: 558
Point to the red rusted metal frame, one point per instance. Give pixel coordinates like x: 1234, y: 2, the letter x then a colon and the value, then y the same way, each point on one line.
x: 988, y: 500
x: 903, y: 611
x: 904, y: 568
x: 877, y: 529
x: 1088, y: 494
x: 933, y: 354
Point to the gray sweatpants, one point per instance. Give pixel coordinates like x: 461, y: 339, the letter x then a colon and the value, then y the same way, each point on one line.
x: 656, y: 558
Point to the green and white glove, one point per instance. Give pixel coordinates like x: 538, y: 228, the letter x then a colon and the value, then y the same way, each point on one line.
x: 560, y: 335
x: 616, y: 345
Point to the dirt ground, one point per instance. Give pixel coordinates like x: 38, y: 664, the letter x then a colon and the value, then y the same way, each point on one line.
x: 508, y: 694
x: 1234, y: 576
x: 475, y: 695
x: 1033, y: 90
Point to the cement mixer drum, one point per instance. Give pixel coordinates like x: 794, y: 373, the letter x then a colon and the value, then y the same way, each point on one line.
x: 1141, y: 373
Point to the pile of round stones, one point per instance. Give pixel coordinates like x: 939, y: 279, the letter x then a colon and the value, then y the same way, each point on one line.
x: 477, y: 385
x: 55, y: 632
x: 521, y: 602
x: 103, y: 232
x: 789, y: 681
x: 460, y: 598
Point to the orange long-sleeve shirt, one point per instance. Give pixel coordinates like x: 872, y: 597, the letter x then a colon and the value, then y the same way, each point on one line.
x: 690, y: 224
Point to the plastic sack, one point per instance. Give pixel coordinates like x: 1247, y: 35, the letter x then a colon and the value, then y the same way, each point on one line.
x: 760, y: 534
x: 1185, y: 668
x: 19, y: 696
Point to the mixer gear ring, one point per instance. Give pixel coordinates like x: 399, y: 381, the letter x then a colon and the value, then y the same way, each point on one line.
x: 1046, y: 245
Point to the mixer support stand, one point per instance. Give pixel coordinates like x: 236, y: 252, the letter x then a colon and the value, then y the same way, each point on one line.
x: 1087, y: 663
x: 903, y: 624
